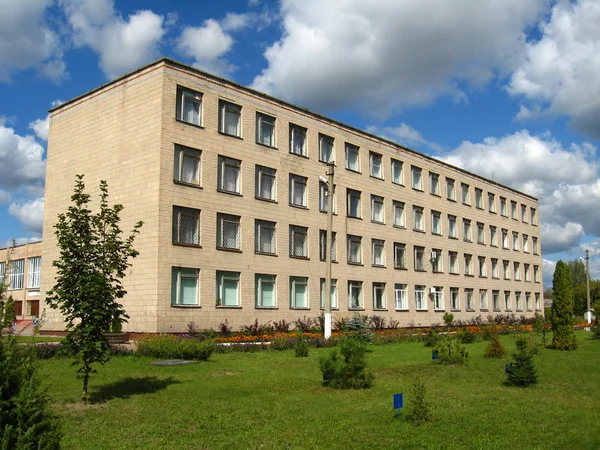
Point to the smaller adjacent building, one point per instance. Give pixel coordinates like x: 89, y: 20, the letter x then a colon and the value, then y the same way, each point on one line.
x: 20, y: 267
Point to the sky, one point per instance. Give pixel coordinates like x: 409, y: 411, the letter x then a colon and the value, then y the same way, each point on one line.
x: 508, y: 89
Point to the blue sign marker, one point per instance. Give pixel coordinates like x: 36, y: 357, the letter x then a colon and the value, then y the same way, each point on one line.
x: 434, y: 354
x: 398, y: 402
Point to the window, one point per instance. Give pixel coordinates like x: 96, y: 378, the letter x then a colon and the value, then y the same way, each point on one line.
x: 452, y: 227
x: 504, y: 238
x: 436, y: 260
x: 513, y: 210
x: 297, y: 140
x: 506, y: 270
x: 352, y: 158
x: 399, y: 218
x: 469, y: 300
x: 400, y: 297
x: 467, y: 230
x: 379, y: 296
x: 528, y: 301
x: 436, y: 222
x: 524, y: 213
x: 418, y: 218
x: 229, y: 175
x: 450, y: 189
x: 189, y: 106
x: 453, y: 262
x: 434, y: 183
x: 493, y: 236
x: 399, y: 255
x: 483, y: 300
x: 34, y: 273
x: 420, y: 303
x: 323, y: 245
x: 534, y: 244
x: 466, y: 196
x: 228, y: 288
x: 536, y: 273
x: 478, y: 198
x: 2, y: 271
x: 526, y: 243
x: 468, y: 265
x: 184, y: 286
x: 454, y: 299
x: 480, y: 233
x: 377, y: 212
x: 228, y: 231
x: 518, y: 303
x: 397, y: 174
x: 378, y: 251
x: 503, y: 207
x: 265, y: 129
x: 298, y: 191
x: 533, y: 216
x: 264, y: 237
x: 517, y: 271
x: 187, y: 165
x: 230, y: 118
x: 324, y: 197
x: 495, y: 273
x: 355, y: 300
x: 326, y: 150
x: 420, y: 258
x: 265, y: 290
x: 333, y: 293
x: 298, y: 241
x: 515, y: 237
x: 417, y: 180
x: 496, y: 300
x: 354, y: 249
x: 527, y: 272
x: 186, y: 226
x: 265, y: 183
x: 375, y: 165
x: 299, y: 292
x: 353, y: 202
x: 482, y: 266
x: 491, y: 202
x: 538, y: 303
x: 438, y: 298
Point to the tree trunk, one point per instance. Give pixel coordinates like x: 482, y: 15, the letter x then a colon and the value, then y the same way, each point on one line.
x: 85, y: 397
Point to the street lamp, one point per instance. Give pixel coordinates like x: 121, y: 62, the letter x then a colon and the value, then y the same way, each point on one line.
x: 587, y: 280
x: 328, y: 241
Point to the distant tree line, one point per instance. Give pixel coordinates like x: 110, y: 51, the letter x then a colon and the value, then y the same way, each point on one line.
x: 578, y: 282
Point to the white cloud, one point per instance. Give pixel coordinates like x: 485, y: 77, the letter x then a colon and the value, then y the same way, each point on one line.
x: 378, y: 56
x: 30, y: 214
x: 207, y: 45
x: 22, y: 165
x: 404, y: 134
x: 559, y: 75
x: 4, y: 197
x: 559, y: 238
x: 123, y: 45
x: 548, y: 271
x: 26, y: 40
x: 40, y: 127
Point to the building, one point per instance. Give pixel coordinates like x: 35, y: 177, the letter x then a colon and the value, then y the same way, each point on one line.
x: 226, y: 180
x: 20, y: 270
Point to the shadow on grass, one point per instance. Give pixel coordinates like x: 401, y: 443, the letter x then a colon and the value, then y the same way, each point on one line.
x: 129, y: 386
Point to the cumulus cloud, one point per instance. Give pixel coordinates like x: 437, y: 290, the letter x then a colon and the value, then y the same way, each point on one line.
x: 559, y: 74
x: 22, y: 165
x: 548, y: 267
x: 4, y: 197
x: 27, y: 41
x: 40, y: 127
x: 30, y: 214
x: 404, y: 134
x: 559, y: 238
x: 379, y: 56
x: 123, y: 45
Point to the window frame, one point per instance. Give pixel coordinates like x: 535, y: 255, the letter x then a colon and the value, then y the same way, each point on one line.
x: 259, y: 280
x: 420, y: 298
x: 419, y: 258
x: 223, y: 218
x: 177, y: 231
x: 373, y: 158
x: 397, y: 167
x: 416, y: 182
x: 352, y: 149
x: 400, y: 259
x: 261, y: 119
x: 298, y: 182
x: 261, y: 172
x: 378, y: 287
x: 400, y: 297
x: 378, y: 253
x: 399, y: 206
x: 352, y: 194
x: 418, y: 219
x: 450, y: 189
x: 436, y: 216
x: 259, y: 224
x: 332, y: 293
x: 323, y: 138
x: 294, y: 281
x: 294, y: 132
x: 353, y: 240
x: 181, y: 153
x: 434, y: 184
x: 177, y: 286
x: 184, y: 93
x: 297, y: 231
x: 377, y: 200
x: 34, y: 272
x: 223, y: 163
x: 352, y: 286
x: 322, y: 245
x: 225, y: 107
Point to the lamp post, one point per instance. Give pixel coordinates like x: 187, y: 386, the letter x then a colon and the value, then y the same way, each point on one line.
x: 587, y: 280
x: 328, y: 242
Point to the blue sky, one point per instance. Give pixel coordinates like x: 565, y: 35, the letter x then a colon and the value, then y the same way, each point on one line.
x: 509, y: 90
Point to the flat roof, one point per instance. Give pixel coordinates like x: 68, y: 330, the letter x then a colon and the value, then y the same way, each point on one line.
x: 20, y: 245
x: 174, y: 63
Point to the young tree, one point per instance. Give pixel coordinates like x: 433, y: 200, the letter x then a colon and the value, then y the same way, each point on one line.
x: 93, y: 259
x: 522, y: 371
x: 562, y: 309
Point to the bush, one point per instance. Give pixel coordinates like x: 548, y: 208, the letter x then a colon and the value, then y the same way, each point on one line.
x: 596, y: 332
x: 450, y: 351
x: 466, y: 337
x: 378, y: 322
x: 172, y: 347
x: 282, y: 342
x: 448, y: 319
x: 225, y: 329
x: 305, y: 323
x: 282, y: 326
x: 349, y: 370
x: 419, y: 411
x: 357, y: 323
x: 522, y: 371
x: 432, y: 337
x: 301, y: 347
x: 495, y: 348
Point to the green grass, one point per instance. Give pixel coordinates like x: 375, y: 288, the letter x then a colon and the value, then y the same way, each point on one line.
x: 29, y: 339
x: 273, y: 400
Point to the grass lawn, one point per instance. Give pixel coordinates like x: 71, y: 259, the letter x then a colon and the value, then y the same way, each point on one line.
x: 29, y: 339
x: 273, y: 400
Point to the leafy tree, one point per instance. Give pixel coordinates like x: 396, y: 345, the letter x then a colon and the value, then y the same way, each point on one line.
x: 93, y: 259
x: 562, y: 309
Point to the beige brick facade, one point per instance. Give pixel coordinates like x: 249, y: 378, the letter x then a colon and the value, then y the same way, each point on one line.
x: 20, y: 269
x: 127, y: 133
